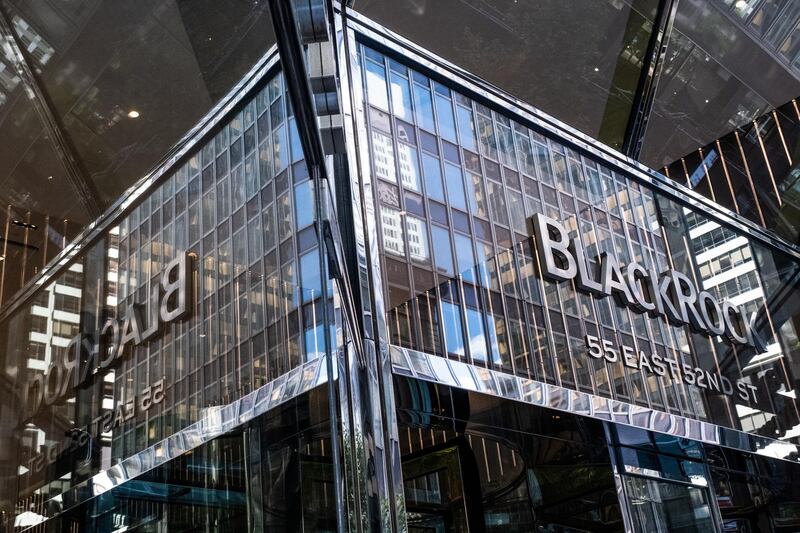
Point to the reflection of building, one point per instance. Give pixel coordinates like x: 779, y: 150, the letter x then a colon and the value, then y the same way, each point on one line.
x: 752, y: 170
x: 773, y: 24
x: 332, y: 311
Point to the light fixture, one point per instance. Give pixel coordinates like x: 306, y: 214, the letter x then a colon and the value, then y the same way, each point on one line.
x: 22, y: 224
x: 596, y: 69
x: 706, y: 100
x: 49, y: 178
x: 133, y: 114
x: 2, y: 258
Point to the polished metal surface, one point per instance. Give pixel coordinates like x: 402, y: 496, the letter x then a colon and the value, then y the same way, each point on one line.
x: 370, y: 376
x: 293, y: 65
x: 453, y: 373
x: 627, y: 518
x: 375, y: 33
x: 648, y: 79
x: 213, y: 422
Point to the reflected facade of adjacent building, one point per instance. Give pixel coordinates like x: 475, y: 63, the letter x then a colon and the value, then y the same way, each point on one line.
x: 368, y: 334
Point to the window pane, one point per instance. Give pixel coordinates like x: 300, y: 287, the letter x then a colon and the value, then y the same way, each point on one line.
x: 477, y: 200
x: 477, y: 339
x: 304, y: 202
x: 455, y: 186
x: 465, y: 257
x: 486, y: 133
x: 444, y: 112
x: 506, y: 146
x: 409, y: 167
x: 401, y: 97
x: 466, y: 128
x: 383, y: 157
x: 376, y: 85
x: 453, y: 335
x: 441, y: 246
x: 392, y: 231
x: 433, y: 177
x: 424, y: 107
x: 417, y: 239
x: 309, y: 276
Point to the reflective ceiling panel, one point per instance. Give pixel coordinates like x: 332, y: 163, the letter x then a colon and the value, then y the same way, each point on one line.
x: 718, y: 75
x: 121, y: 82
x: 578, y: 61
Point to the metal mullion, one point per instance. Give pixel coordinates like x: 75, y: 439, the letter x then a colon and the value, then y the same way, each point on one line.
x: 592, y: 298
x: 675, y: 329
x: 546, y: 311
x: 649, y: 76
x: 462, y: 306
x: 428, y: 221
x: 524, y: 319
x: 629, y: 377
x: 596, y: 300
x: 572, y: 196
x: 370, y: 371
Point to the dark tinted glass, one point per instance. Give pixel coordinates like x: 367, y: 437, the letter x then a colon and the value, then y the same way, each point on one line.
x: 579, y: 61
x: 118, y: 86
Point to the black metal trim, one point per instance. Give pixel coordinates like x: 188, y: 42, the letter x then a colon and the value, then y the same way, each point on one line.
x: 648, y: 79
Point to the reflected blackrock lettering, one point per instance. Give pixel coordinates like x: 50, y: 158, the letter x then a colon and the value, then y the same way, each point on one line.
x: 87, y: 355
x: 669, y: 293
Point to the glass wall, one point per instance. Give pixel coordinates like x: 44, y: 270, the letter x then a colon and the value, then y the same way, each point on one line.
x: 670, y: 482
x: 275, y: 474
x: 456, y: 185
x: 751, y: 171
x: 109, y: 90
x: 206, y: 289
x: 476, y: 463
x: 587, y: 83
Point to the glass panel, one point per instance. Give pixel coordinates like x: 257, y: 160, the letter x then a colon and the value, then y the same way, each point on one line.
x: 433, y: 177
x: 665, y: 507
x: 455, y: 186
x: 401, y: 97
x: 444, y: 114
x: 376, y: 85
x: 409, y: 167
x: 469, y: 468
x: 444, y: 257
x: 384, y: 157
x: 417, y: 232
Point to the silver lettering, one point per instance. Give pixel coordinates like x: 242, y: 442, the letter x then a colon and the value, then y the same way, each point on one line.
x: 552, y: 245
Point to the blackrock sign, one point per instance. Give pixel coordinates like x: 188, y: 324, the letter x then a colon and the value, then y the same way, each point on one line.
x: 669, y: 293
x: 87, y: 355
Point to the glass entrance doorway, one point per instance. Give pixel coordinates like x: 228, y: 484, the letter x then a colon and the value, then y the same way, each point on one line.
x: 481, y: 464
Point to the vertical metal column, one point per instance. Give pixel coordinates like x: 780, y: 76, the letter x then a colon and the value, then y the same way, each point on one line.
x: 371, y: 378
x: 293, y: 66
x: 648, y: 79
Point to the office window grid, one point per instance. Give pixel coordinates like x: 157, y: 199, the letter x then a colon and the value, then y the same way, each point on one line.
x: 472, y: 178
x: 240, y: 207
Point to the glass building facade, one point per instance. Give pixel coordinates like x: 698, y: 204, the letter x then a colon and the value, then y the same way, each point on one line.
x: 336, y: 294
